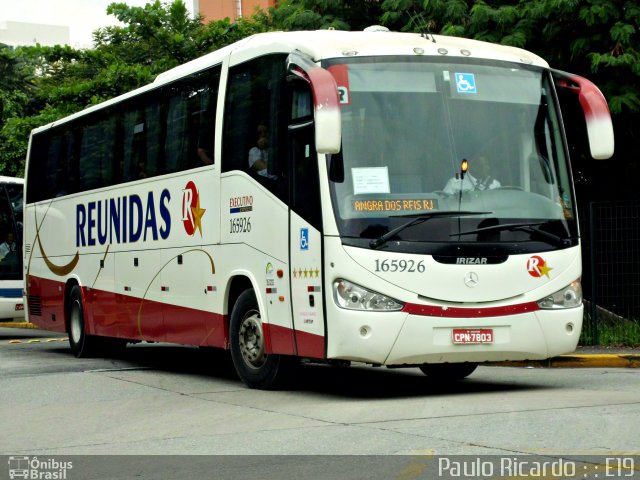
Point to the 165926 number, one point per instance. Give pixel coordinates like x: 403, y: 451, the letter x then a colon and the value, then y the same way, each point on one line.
x: 410, y: 266
x: 240, y: 225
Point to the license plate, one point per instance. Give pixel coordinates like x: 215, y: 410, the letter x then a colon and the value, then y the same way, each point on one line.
x: 465, y: 336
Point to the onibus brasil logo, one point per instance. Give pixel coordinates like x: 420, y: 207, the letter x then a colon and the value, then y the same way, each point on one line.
x: 191, y: 211
x: 33, y: 468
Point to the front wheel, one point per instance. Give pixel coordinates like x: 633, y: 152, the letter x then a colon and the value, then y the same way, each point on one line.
x: 82, y: 345
x: 444, y: 372
x: 255, y: 368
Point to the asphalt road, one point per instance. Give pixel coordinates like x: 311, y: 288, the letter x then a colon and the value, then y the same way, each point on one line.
x: 158, y: 399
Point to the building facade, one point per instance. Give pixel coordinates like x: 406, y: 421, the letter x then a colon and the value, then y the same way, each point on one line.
x: 22, y: 33
x: 234, y: 9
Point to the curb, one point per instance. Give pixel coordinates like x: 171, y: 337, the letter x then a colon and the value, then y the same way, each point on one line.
x: 17, y: 325
x: 579, y: 361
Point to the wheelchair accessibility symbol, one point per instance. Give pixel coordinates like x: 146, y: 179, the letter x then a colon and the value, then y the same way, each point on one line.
x: 466, y: 83
x: 304, y: 239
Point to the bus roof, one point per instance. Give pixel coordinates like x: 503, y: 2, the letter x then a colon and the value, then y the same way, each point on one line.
x: 324, y: 44
x: 4, y: 179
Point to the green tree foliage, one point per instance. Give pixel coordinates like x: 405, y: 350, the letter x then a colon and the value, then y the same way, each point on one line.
x: 41, y: 84
x: 594, y: 38
x: 323, y: 14
x: 17, y: 86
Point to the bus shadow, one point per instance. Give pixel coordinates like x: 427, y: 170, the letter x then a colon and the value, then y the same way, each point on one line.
x: 364, y: 382
x: 356, y: 382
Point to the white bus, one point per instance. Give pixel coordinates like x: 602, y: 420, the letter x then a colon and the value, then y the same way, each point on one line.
x: 11, y: 281
x: 319, y: 195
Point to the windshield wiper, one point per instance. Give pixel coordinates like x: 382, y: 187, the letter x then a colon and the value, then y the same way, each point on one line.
x: 419, y: 218
x: 533, y: 228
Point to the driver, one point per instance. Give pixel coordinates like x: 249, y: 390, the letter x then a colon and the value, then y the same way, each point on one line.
x: 480, y: 180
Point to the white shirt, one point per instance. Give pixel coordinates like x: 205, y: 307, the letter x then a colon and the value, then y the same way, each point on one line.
x: 256, y: 154
x: 6, y: 248
x: 454, y: 185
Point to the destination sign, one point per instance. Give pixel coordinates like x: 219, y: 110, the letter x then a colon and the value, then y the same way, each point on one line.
x: 403, y: 205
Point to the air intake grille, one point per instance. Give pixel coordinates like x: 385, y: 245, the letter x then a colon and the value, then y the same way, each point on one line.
x: 35, y: 305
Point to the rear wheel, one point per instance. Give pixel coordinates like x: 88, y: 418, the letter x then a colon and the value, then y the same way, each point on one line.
x: 255, y: 368
x: 448, y: 371
x: 82, y: 345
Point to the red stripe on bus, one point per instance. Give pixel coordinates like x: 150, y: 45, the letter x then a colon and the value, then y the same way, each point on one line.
x: 280, y: 340
x: 460, y: 312
x: 124, y: 316
x: 310, y: 345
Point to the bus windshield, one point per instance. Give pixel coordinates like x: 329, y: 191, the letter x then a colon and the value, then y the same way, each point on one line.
x: 480, y: 145
x: 11, y: 231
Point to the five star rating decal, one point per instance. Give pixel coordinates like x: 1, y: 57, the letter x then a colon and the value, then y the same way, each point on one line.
x: 306, y: 273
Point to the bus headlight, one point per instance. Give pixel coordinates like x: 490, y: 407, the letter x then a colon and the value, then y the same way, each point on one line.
x: 568, y: 297
x: 354, y: 297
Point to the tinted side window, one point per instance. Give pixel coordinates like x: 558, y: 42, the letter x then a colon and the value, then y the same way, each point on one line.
x: 37, y: 175
x: 191, y: 106
x: 97, y: 152
x: 255, y: 121
x: 141, y: 137
x: 161, y: 131
x: 60, y: 172
x: 10, y: 232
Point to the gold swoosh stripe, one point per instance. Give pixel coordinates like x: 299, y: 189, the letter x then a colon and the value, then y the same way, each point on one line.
x: 60, y: 270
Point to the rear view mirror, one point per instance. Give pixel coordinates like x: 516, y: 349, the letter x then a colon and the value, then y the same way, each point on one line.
x: 328, y: 127
x: 595, y: 109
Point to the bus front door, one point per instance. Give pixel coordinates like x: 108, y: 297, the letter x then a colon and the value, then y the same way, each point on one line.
x: 306, y: 243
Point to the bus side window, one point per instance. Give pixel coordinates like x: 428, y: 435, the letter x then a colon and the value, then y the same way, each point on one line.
x: 254, y: 120
x: 71, y: 158
x: 97, y: 153
x: 141, y: 137
x: 11, y: 232
x: 204, y: 124
x: 191, y: 121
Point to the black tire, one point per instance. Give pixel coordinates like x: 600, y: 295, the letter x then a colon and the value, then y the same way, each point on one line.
x: 255, y: 368
x: 82, y: 345
x: 448, y: 372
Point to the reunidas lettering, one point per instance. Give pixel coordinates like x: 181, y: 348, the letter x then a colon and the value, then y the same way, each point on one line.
x: 123, y: 220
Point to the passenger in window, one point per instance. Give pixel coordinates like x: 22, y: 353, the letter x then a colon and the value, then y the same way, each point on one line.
x: 8, y: 252
x: 142, y: 173
x: 9, y: 245
x: 62, y: 180
x: 259, y: 155
x: 205, y: 153
x: 205, y: 156
x: 481, y: 178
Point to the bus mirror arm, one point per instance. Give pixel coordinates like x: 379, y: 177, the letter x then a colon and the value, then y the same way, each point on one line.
x: 326, y: 104
x: 595, y: 109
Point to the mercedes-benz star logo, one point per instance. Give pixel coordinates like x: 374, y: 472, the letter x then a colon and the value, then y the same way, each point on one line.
x: 471, y: 279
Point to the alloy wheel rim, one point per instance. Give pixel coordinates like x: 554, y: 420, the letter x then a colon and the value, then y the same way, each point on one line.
x: 251, y: 340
